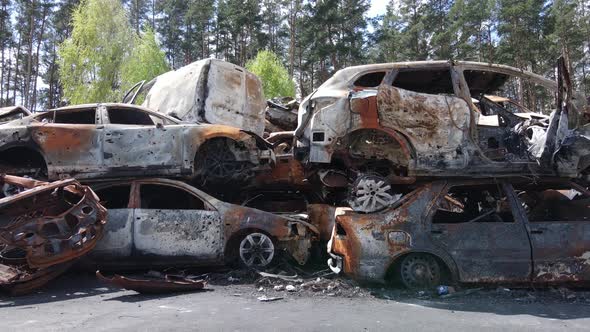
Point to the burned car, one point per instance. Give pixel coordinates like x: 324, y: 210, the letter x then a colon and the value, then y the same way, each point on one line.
x: 112, y: 140
x: 12, y: 113
x: 378, y: 126
x: 470, y: 231
x: 162, y: 222
x: 44, y: 228
x: 206, y: 91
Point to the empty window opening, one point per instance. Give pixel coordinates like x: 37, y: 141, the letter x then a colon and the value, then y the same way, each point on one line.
x: 129, y: 117
x: 432, y: 81
x: 370, y: 80
x: 554, y: 202
x: 477, y: 203
x: 116, y: 197
x: 85, y: 116
x: 155, y: 196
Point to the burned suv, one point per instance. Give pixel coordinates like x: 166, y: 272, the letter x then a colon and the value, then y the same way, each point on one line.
x: 113, y: 140
x: 374, y: 126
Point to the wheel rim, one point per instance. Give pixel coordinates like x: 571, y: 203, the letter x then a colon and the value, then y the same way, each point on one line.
x: 420, y: 272
x: 371, y: 194
x: 221, y: 164
x: 257, y: 250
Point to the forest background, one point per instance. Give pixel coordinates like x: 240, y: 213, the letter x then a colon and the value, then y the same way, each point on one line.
x: 57, y: 52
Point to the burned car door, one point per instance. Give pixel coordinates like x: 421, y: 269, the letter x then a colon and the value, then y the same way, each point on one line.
x: 70, y: 141
x: 175, y: 224
x: 422, y: 104
x: 559, y: 225
x: 117, y: 240
x: 133, y: 142
x: 476, y: 225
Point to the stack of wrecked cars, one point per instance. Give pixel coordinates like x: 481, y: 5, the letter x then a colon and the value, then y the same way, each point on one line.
x: 423, y: 172
x: 128, y: 153
x: 452, y: 180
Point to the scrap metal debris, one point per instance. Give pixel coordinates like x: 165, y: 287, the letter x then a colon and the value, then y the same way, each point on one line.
x: 44, y: 227
x: 281, y: 115
x: 265, y: 298
x: 154, y: 284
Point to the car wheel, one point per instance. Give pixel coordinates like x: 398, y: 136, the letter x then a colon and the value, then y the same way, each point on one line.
x: 371, y: 193
x: 420, y: 271
x: 257, y: 250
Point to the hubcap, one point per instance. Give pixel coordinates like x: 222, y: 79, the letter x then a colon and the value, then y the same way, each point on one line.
x: 370, y: 194
x: 256, y: 250
x: 419, y: 271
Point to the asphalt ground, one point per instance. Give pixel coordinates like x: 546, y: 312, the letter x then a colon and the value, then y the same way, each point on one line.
x: 79, y: 302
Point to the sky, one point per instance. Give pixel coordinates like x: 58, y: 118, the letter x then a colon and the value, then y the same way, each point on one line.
x: 378, y: 7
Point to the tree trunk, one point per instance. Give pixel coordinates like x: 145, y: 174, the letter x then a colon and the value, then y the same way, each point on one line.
x: 29, y: 55
x: 2, y: 41
x: 43, y: 19
x: 50, y: 101
x: 8, y: 76
x: 16, y: 68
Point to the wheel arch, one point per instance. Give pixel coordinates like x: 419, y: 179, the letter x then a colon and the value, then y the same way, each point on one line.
x: 445, y: 262
x: 406, y: 147
x: 23, y: 152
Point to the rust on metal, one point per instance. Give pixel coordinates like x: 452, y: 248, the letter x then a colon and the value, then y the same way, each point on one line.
x: 45, y: 226
x: 473, y: 231
x: 151, y: 285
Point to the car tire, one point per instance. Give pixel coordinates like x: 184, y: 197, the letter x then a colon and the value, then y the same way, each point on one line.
x: 419, y: 271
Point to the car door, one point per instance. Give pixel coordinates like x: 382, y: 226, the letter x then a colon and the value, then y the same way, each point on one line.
x: 117, y: 240
x: 70, y: 141
x: 476, y: 225
x: 134, y: 143
x: 559, y: 224
x: 174, y: 224
x: 422, y: 103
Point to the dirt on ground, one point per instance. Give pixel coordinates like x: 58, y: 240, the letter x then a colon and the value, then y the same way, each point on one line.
x: 288, y: 281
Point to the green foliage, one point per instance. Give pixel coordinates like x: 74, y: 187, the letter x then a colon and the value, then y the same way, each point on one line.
x: 146, y: 61
x: 275, y: 78
x: 91, y: 59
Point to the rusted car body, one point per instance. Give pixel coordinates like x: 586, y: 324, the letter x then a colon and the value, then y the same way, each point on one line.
x: 12, y: 113
x: 206, y: 91
x: 44, y: 227
x: 403, y: 122
x: 113, y: 140
x: 470, y: 231
x: 162, y: 222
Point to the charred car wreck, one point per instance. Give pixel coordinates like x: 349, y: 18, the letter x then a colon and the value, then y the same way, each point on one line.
x: 44, y: 228
x: 160, y: 222
x: 470, y: 231
x: 113, y: 140
x: 384, y: 125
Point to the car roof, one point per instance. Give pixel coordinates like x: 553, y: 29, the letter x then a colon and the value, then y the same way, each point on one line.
x: 118, y: 105
x: 346, y: 74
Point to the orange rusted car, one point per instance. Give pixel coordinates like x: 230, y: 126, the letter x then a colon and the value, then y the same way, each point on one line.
x: 470, y: 231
